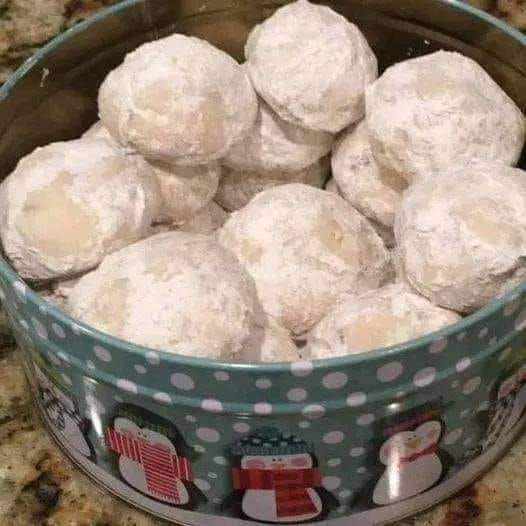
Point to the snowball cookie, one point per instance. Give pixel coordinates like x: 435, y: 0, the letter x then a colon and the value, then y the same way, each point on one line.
x: 377, y: 318
x: 275, y: 144
x: 69, y: 204
x: 304, y: 246
x: 207, y: 220
x: 178, y: 292
x: 332, y: 186
x: 237, y: 188
x: 441, y: 110
x: 462, y: 235
x: 185, y: 190
x: 311, y: 65
x: 271, y: 343
x: 373, y: 191
x: 179, y: 100
x: 59, y: 292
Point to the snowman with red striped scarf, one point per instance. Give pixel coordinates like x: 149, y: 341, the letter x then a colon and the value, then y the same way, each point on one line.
x: 276, y: 479
x: 153, y: 457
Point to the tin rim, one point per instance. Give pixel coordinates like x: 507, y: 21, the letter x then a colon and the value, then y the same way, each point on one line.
x: 379, y: 354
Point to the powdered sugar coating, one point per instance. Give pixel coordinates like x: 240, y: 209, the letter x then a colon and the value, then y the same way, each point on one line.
x: 277, y: 145
x: 378, y: 318
x: 178, y: 100
x: 207, y: 220
x: 303, y: 247
x: 332, y: 186
x: 440, y: 110
x: 185, y: 190
x: 373, y: 191
x: 69, y: 204
x: 177, y: 292
x: 462, y: 235
x: 237, y: 188
x: 98, y: 131
x: 271, y: 343
x: 311, y: 65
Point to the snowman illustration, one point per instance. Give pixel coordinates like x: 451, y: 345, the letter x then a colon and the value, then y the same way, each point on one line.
x: 507, y: 405
x: 410, y: 460
x: 276, y: 479
x: 63, y: 415
x: 153, y: 457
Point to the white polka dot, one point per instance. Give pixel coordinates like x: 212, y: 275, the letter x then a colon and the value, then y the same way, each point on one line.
x: 504, y: 354
x: 263, y: 383
x: 241, y: 427
x: 493, y: 341
x: 20, y: 291
x: 304, y: 424
x: 39, y: 328
x: 67, y: 379
x: 333, y: 462
x: 453, y: 436
x: 365, y: 420
x: 512, y: 306
x: 465, y: 413
x: 438, y: 346
x: 345, y: 494
x: 203, y: 485
x: 390, y: 371
x: 297, y: 395
x: 361, y: 470
x: 127, y: 386
x: 58, y: 330
x: 190, y: 418
x: 23, y: 324
x: 152, y: 357
x: 357, y: 451
x: 140, y: 368
x: 262, y: 408
x: 331, y: 483
x: 483, y: 333
x: 118, y: 398
x: 199, y: 449
x: 182, y: 381
x: 334, y: 380
x: 76, y: 329
x: 463, y: 364
x: 356, y: 399
x: 207, y: 434
x: 425, y: 377
x: 221, y: 376
x: 211, y: 475
x: 471, y: 385
x: 313, y: 411
x: 333, y: 437
x: 221, y: 461
x: 163, y: 398
x: 43, y: 308
x: 90, y: 364
x: 302, y: 368
x: 461, y: 336
x: 102, y: 354
x: 211, y: 405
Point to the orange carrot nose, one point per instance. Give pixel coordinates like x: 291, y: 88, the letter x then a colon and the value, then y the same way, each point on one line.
x: 279, y: 465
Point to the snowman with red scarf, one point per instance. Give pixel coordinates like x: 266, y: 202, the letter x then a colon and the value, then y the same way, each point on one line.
x: 276, y: 479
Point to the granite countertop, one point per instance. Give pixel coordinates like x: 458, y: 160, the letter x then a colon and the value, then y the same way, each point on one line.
x: 39, y: 486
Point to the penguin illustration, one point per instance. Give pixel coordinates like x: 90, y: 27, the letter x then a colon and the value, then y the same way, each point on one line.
x: 153, y: 457
x: 408, y: 460
x: 507, y: 405
x: 63, y: 415
x: 276, y: 479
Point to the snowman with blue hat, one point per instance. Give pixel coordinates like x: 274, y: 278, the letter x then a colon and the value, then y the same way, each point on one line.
x: 276, y: 479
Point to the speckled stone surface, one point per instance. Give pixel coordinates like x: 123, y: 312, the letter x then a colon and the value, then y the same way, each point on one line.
x: 39, y: 486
